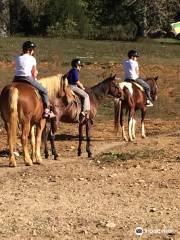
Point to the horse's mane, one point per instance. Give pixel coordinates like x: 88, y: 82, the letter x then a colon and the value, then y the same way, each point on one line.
x: 54, y: 85
x: 57, y: 86
x: 101, y: 83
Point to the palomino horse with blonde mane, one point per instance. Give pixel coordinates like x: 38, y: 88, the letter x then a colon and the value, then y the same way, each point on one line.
x: 134, y: 99
x: 20, y: 104
x: 67, y: 108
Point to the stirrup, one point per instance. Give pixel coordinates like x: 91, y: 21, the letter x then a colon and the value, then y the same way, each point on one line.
x: 149, y: 103
x: 82, y: 117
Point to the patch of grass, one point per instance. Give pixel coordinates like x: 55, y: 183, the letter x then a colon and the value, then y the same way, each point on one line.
x: 116, y: 157
x: 101, y: 51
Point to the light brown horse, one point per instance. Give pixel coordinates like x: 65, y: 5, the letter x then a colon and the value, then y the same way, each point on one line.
x: 21, y: 105
x: 69, y: 112
x: 134, y: 99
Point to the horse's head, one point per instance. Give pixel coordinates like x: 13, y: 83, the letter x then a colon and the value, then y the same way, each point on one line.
x: 152, y: 81
x: 114, y: 89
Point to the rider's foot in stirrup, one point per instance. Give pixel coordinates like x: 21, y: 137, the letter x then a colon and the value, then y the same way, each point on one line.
x: 48, y: 113
x: 82, y: 116
x: 149, y: 103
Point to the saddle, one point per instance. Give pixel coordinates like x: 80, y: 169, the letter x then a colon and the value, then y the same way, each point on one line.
x: 67, y: 94
x: 135, y: 83
x: 24, y: 80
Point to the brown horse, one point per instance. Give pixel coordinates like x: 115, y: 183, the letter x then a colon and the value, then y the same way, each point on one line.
x: 21, y: 105
x: 69, y: 112
x: 134, y: 99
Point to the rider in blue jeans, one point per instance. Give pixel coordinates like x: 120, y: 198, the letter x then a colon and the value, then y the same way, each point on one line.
x: 131, y: 72
x: 26, y: 71
x: 78, y: 88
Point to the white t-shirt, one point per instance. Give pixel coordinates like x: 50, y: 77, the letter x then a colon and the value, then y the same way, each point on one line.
x: 130, y: 69
x: 24, y: 64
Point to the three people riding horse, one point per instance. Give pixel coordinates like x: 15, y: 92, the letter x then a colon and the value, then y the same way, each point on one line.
x: 26, y: 71
x: 131, y: 73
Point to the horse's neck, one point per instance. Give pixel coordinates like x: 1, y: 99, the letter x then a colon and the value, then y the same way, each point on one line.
x: 99, y: 92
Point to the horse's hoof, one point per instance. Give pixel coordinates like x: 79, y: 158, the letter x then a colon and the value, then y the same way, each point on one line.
x: 46, y: 156
x: 39, y: 161
x: 89, y: 155
x: 12, y: 164
x: 79, y: 154
x: 125, y: 139
x: 143, y: 136
x: 28, y: 163
x: 56, y: 157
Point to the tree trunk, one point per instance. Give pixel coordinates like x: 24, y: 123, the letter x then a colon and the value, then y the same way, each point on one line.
x: 4, y: 18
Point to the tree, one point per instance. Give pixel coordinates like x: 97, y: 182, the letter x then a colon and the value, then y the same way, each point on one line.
x: 4, y: 18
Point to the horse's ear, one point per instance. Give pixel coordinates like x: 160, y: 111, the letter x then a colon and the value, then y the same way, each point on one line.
x: 156, y: 78
x: 113, y: 76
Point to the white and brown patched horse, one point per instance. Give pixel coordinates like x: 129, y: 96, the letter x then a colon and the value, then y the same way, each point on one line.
x: 134, y: 99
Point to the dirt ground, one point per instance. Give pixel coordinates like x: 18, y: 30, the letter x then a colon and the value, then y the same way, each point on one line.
x: 123, y: 187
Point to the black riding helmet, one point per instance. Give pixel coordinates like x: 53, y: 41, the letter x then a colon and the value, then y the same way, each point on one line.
x: 133, y: 53
x: 76, y: 62
x: 28, y: 45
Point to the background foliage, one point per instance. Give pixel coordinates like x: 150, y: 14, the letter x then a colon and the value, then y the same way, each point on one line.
x: 92, y: 19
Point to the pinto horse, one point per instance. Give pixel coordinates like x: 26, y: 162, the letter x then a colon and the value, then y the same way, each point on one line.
x: 69, y: 113
x: 21, y: 105
x: 134, y: 99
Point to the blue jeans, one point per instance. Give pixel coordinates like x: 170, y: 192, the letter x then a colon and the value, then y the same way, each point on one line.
x: 42, y: 91
x: 83, y: 95
x: 146, y: 87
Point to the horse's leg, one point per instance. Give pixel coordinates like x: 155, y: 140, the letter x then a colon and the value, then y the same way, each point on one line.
x: 25, y: 134
x: 33, y: 143
x: 39, y: 130
x: 52, y: 135
x: 80, y: 138
x: 88, y: 138
x: 12, y: 160
x: 124, y: 137
x: 134, y: 129
x: 53, y: 147
x: 143, y: 114
x: 44, y: 141
x: 130, y: 123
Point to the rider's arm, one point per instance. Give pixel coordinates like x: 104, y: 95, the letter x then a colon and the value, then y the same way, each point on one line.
x: 137, y: 69
x: 80, y: 85
x: 34, y: 72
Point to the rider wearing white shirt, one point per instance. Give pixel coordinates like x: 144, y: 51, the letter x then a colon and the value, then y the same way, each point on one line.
x: 24, y: 65
x: 26, y: 71
x: 131, y: 72
x: 131, y: 69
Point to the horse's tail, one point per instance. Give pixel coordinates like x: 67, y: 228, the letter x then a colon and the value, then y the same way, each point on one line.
x: 13, y: 101
x: 117, y: 111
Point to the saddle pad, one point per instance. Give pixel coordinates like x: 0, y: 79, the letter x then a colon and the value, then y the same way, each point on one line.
x: 139, y: 86
x: 128, y: 85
